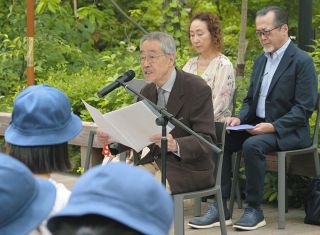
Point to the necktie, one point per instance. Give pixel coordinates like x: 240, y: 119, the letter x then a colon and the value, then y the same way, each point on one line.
x: 161, y: 99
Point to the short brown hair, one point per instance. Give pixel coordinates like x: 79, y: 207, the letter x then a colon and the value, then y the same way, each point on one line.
x: 213, y: 23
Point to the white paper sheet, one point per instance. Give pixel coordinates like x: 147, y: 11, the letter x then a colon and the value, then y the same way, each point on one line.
x: 131, y: 126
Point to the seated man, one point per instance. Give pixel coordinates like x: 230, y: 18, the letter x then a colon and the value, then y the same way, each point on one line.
x: 280, y: 100
x: 188, y: 98
x: 113, y: 199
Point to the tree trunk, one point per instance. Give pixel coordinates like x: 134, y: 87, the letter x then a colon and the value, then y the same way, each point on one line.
x: 165, y: 4
x: 242, y: 40
x: 30, y: 42
x: 75, y: 7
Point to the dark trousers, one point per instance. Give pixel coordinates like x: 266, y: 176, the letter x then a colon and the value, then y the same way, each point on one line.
x: 254, y: 148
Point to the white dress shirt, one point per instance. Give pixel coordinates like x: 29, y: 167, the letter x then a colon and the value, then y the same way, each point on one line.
x: 273, y: 61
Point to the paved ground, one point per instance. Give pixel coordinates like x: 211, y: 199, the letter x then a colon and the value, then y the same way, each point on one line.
x: 294, y: 224
x: 294, y: 218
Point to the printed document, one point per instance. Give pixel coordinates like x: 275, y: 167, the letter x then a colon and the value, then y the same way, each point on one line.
x: 240, y: 127
x: 131, y: 126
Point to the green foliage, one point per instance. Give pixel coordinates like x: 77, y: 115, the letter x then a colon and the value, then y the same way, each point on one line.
x: 80, y: 170
x: 176, y: 16
x: 62, y: 43
x: 12, y: 53
x: 100, y: 43
x: 296, y: 189
x: 316, y: 55
x: 91, y: 13
x: 270, y: 193
x: 84, y: 86
x: 150, y: 14
x: 48, y: 5
x: 75, y: 158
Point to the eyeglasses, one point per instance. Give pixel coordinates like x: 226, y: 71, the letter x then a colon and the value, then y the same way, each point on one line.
x: 151, y: 58
x: 266, y: 33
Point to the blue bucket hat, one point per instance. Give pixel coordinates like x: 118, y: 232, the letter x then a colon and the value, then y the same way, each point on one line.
x: 124, y: 193
x: 25, y: 201
x: 42, y: 116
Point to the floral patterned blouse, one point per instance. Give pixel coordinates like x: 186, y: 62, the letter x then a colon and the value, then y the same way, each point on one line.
x: 219, y: 75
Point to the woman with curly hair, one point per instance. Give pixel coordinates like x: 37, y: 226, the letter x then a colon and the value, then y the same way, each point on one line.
x: 206, y: 38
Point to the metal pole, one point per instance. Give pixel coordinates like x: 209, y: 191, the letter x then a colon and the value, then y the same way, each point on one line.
x: 30, y: 42
x: 305, y: 32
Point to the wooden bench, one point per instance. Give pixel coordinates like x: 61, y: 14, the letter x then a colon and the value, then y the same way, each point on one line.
x: 80, y: 140
x: 296, y: 165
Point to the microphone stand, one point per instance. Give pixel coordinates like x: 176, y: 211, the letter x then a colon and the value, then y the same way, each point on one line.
x: 163, y: 121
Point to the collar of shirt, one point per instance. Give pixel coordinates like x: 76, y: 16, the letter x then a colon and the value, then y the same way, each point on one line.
x: 279, y: 53
x: 169, y: 84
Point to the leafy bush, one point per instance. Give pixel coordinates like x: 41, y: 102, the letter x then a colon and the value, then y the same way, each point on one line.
x: 12, y: 72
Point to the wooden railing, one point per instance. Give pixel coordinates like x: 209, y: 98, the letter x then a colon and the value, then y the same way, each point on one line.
x: 297, y: 166
x: 80, y: 140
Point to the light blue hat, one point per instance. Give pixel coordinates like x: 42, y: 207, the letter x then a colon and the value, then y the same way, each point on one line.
x: 25, y: 201
x: 124, y: 193
x: 42, y: 116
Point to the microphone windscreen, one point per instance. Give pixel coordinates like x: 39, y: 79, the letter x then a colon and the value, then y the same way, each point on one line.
x: 130, y: 74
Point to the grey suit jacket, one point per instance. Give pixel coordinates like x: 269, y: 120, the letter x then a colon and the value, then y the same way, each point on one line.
x: 189, y: 101
x: 290, y: 100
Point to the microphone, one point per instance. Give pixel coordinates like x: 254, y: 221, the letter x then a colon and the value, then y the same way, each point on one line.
x: 126, y: 77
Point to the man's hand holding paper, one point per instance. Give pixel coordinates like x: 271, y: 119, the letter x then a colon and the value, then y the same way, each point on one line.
x: 233, y: 123
x: 262, y: 128
x: 172, y: 143
x: 103, y: 137
x: 132, y: 126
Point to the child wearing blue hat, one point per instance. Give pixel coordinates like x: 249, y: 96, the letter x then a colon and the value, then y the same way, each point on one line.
x: 42, y: 123
x: 123, y: 199
x: 25, y: 201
